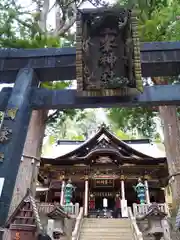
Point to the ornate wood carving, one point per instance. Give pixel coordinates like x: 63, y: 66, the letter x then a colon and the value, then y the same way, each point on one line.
x: 103, y: 144
x: 103, y: 160
x: 107, y: 52
x: 4, y: 134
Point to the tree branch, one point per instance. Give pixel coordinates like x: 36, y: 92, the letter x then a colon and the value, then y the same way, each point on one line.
x: 43, y: 16
x: 52, y: 116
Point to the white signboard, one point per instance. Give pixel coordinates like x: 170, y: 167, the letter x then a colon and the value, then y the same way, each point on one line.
x: 1, y: 185
x: 105, y: 202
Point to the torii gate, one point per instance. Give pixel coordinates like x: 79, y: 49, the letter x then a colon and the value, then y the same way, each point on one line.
x: 27, y: 68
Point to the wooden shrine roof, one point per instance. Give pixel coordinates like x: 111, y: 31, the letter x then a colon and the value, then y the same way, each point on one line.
x: 26, y: 213
x: 104, y: 144
x: 58, y: 212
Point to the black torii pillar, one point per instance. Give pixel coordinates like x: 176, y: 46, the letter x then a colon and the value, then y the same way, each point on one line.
x: 13, y: 134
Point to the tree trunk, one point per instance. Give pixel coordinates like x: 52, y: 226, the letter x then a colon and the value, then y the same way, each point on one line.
x: 28, y: 170
x: 170, y: 121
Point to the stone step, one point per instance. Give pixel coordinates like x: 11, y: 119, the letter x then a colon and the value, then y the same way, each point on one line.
x: 106, y: 238
x: 84, y: 234
x: 105, y: 225
x: 106, y: 229
x: 115, y: 230
x: 107, y: 219
x: 107, y: 222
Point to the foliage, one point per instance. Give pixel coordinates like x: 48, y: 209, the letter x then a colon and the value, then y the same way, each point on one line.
x: 123, y: 136
x: 158, y: 21
x: 133, y: 120
x: 76, y: 125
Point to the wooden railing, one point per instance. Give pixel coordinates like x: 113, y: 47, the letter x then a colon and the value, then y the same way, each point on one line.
x: 135, y: 229
x: 142, y: 209
x: 77, y: 228
x: 72, y: 209
x: 48, y: 207
x: 45, y: 207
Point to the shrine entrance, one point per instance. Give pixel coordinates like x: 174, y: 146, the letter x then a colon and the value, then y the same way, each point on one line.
x: 113, y: 77
x: 98, y: 197
x: 99, y: 203
x: 113, y: 194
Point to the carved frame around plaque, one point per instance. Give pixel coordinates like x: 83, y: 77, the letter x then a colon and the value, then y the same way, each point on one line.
x: 108, y: 52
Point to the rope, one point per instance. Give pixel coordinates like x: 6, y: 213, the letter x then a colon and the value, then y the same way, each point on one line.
x: 35, y: 211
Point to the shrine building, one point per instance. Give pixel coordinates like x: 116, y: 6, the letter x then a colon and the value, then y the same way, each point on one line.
x: 103, y: 167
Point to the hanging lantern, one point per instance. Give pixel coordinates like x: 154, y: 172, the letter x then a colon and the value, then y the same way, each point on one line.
x: 108, y: 53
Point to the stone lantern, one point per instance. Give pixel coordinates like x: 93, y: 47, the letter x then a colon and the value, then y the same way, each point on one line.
x: 69, y: 189
x: 154, y: 217
x: 140, y: 190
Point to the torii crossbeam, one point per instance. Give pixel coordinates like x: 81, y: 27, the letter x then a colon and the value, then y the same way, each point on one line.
x: 39, y: 65
x: 52, y: 64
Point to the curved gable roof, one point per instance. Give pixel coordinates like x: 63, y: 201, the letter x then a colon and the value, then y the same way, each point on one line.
x: 89, y: 146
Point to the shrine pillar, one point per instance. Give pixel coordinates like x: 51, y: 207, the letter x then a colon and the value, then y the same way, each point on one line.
x: 146, y: 189
x: 62, y: 191
x: 122, y: 188
x: 86, y: 196
x: 124, y: 207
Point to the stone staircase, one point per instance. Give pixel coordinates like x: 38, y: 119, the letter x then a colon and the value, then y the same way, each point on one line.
x: 105, y: 229
x: 142, y: 226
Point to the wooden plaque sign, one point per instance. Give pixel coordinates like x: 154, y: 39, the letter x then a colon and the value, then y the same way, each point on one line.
x: 107, y: 52
x: 98, y: 183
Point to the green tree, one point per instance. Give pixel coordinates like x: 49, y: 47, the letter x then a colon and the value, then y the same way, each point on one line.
x: 157, y: 22
x: 139, y: 121
x: 76, y: 126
